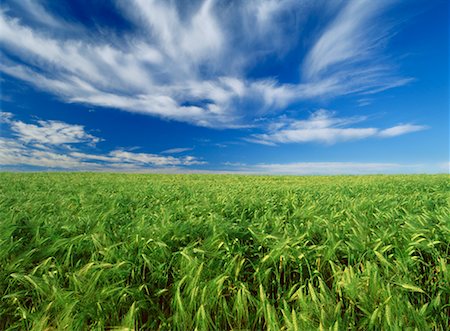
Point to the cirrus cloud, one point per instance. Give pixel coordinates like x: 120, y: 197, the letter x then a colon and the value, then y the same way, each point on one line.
x: 193, y: 62
x: 324, y: 127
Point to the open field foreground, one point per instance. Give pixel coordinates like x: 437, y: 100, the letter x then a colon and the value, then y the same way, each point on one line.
x: 222, y: 252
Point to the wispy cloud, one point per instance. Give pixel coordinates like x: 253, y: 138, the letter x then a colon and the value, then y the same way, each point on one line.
x: 37, y: 12
x: 401, y: 129
x: 350, y: 50
x: 335, y: 168
x: 193, y: 63
x: 350, y: 37
x: 324, y: 127
x: 177, y: 150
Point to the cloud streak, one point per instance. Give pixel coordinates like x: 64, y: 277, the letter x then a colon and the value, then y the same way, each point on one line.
x: 324, y: 127
x: 350, y: 37
x: 336, y: 168
x: 177, y: 150
x: 401, y: 129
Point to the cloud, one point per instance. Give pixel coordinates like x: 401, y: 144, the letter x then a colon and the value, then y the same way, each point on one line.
x: 350, y: 50
x: 46, y: 146
x: 5, y: 117
x: 52, y: 132
x: 39, y: 152
x: 143, y: 158
x: 125, y: 157
x: 196, y: 37
x: 47, y: 132
x: 16, y: 153
x: 35, y: 10
x: 335, y: 168
x: 192, y: 62
x: 324, y: 127
x: 177, y: 150
x: 351, y: 37
x: 401, y: 129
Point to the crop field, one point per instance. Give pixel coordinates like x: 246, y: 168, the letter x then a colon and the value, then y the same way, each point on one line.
x: 224, y: 252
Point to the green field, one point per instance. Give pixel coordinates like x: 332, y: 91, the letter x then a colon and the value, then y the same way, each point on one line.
x: 224, y: 252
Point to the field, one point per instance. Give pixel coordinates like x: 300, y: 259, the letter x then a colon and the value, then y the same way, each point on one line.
x: 224, y: 252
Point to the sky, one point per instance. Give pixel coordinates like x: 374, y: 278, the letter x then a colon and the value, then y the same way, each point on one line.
x: 297, y: 87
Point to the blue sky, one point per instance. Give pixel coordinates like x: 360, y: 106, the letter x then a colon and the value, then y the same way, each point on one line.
x: 277, y: 87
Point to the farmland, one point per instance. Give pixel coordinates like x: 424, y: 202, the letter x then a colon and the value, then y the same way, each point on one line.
x: 224, y: 252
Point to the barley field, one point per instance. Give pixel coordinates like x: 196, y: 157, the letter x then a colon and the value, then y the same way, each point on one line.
x: 84, y: 251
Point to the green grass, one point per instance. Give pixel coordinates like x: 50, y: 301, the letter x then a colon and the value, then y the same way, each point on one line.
x: 206, y: 252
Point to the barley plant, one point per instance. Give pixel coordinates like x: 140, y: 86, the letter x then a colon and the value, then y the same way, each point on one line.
x: 83, y: 251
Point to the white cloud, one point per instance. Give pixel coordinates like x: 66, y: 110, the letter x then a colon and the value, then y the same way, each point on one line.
x: 352, y: 37
x: 37, y: 12
x: 5, y: 117
x: 349, y: 51
x: 45, y: 145
x: 51, y: 132
x: 190, y: 62
x: 16, y: 153
x: 197, y: 37
x: 401, y: 129
x: 177, y: 150
x: 324, y: 127
x: 153, y: 159
x: 125, y: 157
x: 335, y: 168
